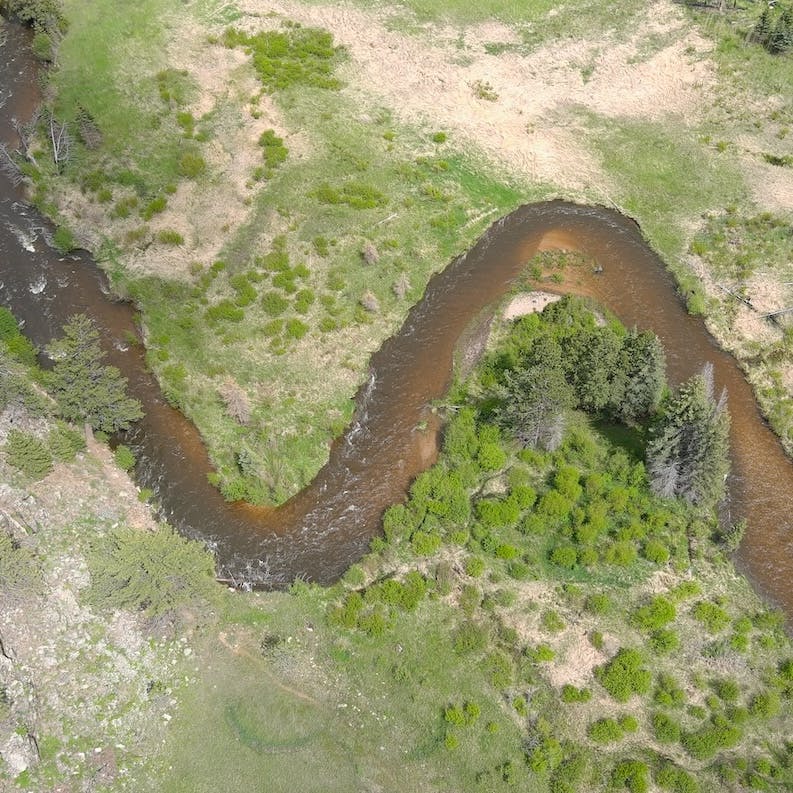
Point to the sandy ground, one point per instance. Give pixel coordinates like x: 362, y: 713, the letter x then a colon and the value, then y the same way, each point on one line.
x: 534, y: 125
x: 529, y: 303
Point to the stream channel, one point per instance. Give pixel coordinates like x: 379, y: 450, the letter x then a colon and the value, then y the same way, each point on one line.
x: 328, y: 526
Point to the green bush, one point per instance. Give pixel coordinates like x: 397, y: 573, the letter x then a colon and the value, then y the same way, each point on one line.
x: 274, y: 303
x: 224, y: 311
x: 28, y: 453
x: 303, y: 300
x: 571, y: 694
x: 713, y: 618
x: 656, y: 552
x: 273, y: 150
x: 499, y: 669
x: 470, y: 637
x: 665, y: 729
x: 192, y: 165
x: 154, y: 207
x: 668, y: 692
x: 425, y: 543
x: 20, y: 574
x: 124, y: 457
x: 631, y: 775
x: 624, y: 675
x: 670, y: 777
x: 64, y: 240
x: 705, y: 743
x: 474, y: 566
x: 354, y: 194
x: 764, y: 705
x: 170, y: 237
x: 541, y: 654
x: 654, y: 615
x: 295, y: 329
x: 156, y: 572
x: 295, y: 56
x: 664, y: 641
x: 599, y: 603
x: 564, y: 556
x: 552, y: 622
x: 605, y: 731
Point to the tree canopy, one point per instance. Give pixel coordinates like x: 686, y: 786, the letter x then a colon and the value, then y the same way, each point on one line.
x: 85, y: 388
x: 688, y: 456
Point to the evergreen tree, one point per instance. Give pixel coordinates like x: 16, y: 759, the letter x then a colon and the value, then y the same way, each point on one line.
x: 640, y: 376
x: 688, y: 456
x: 592, y: 365
x: 86, y: 389
x: 532, y: 404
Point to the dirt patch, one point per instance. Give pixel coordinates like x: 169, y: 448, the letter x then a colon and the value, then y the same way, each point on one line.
x: 529, y: 303
x: 522, y: 110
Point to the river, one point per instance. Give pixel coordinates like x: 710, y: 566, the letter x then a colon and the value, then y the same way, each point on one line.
x: 327, y: 526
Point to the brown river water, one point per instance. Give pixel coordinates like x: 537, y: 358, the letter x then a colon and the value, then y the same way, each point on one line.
x: 328, y: 526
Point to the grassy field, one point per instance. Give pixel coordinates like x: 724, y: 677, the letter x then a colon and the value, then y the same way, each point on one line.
x: 485, y: 660
x: 260, y: 320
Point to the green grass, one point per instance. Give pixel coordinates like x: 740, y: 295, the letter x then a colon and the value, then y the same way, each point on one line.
x: 664, y: 177
x: 420, y: 211
x: 536, y: 20
x: 108, y: 67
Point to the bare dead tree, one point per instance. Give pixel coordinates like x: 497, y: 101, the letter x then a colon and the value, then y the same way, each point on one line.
x: 25, y: 132
x: 61, y: 142
x: 9, y: 166
x: 238, y: 405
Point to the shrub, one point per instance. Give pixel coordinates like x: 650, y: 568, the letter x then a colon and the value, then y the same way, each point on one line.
x: 571, y: 694
x: 274, y: 303
x: 124, y: 457
x: 474, y: 566
x: 764, y: 705
x: 654, y: 615
x: 598, y: 603
x: 303, y: 300
x: 470, y: 637
x: 564, y: 556
x: 28, y: 453
x: 552, y: 622
x: 668, y: 692
x: 170, y: 237
x: 663, y: 641
x: 356, y: 195
x: 499, y: 669
x: 19, y: 572
x: 156, y: 572
x: 631, y: 774
x: 605, y: 731
x: 706, y: 742
x: 439, y: 137
x: 712, y: 617
x: 624, y: 675
x: 192, y: 165
x: 541, y: 654
x: 425, y: 543
x: 63, y: 240
x: 622, y: 554
x: 655, y: 552
x: 154, y: 207
x: 665, y: 729
x: 670, y: 777
x: 273, y: 150
x: 296, y: 329
x: 224, y: 311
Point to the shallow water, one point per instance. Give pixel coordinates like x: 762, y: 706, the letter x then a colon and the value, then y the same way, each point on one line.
x: 327, y: 526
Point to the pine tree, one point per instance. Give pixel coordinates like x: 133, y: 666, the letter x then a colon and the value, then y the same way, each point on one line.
x: 640, y: 377
x: 533, y: 401
x: 688, y: 456
x: 86, y: 389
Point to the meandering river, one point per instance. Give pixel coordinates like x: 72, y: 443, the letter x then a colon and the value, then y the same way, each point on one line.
x: 327, y: 526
